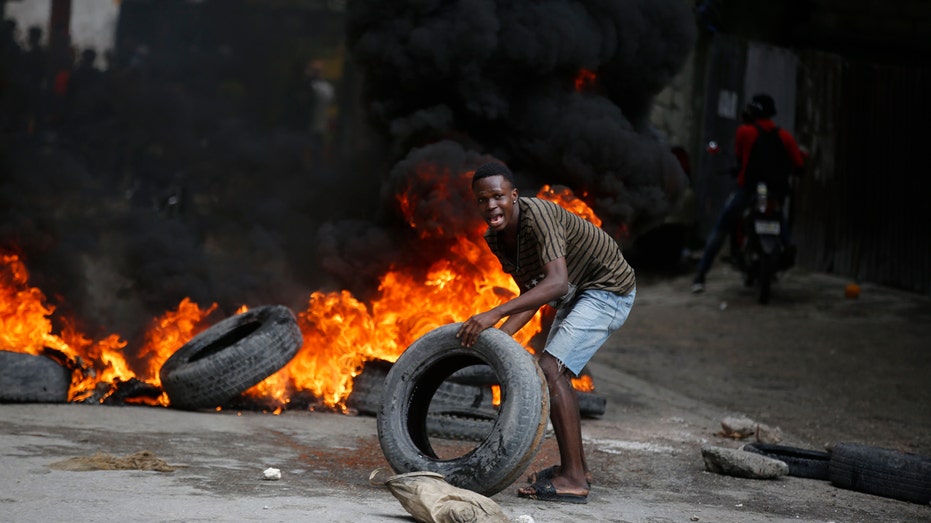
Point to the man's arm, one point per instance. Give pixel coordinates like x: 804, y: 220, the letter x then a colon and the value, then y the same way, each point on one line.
x: 516, y: 322
x: 795, y: 154
x: 555, y: 285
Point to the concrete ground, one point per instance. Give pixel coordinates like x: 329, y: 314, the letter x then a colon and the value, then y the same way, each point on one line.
x: 816, y: 366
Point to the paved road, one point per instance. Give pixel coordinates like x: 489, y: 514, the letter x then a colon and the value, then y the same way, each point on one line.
x: 664, y: 403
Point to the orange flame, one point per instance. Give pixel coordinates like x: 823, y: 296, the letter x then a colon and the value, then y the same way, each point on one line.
x: 340, y: 332
x: 26, y: 326
x: 167, y: 334
x: 565, y: 197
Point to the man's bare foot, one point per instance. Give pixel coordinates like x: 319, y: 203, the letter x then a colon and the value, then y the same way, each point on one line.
x: 551, y: 472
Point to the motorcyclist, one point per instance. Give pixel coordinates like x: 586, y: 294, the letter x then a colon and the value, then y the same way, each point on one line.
x: 759, y: 113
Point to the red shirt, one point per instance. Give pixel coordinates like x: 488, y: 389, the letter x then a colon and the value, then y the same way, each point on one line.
x: 747, y: 134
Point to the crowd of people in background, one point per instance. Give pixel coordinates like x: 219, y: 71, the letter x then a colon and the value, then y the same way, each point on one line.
x: 141, y: 118
x: 56, y: 97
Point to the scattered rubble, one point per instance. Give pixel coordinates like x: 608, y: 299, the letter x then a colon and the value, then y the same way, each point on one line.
x: 733, y: 462
x: 272, y: 474
x: 743, y: 427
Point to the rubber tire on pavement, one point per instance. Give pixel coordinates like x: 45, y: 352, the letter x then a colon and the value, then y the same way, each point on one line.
x: 882, y: 472
x: 514, y: 438
x: 803, y: 463
x: 26, y: 378
x: 230, y: 357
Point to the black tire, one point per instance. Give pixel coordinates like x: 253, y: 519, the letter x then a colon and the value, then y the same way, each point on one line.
x: 882, y: 472
x: 591, y: 405
x: 463, y: 426
x: 26, y: 378
x: 475, y: 375
x: 368, y: 387
x: 368, y: 393
x: 514, y: 438
x: 803, y: 463
x: 230, y: 357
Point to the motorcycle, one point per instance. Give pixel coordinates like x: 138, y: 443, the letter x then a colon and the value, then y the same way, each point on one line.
x: 759, y: 237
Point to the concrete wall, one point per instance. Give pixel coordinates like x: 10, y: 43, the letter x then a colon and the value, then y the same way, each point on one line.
x: 673, y: 113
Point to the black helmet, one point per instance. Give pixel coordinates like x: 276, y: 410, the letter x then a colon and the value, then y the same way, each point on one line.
x: 762, y: 106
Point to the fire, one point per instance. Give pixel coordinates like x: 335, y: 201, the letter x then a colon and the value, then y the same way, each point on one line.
x: 565, y: 197
x: 26, y: 326
x: 585, y: 79
x: 340, y: 332
x: 583, y: 383
x: 24, y: 316
x: 167, y: 334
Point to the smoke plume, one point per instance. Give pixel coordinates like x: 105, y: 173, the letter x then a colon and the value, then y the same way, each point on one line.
x: 499, y: 78
x: 162, y: 190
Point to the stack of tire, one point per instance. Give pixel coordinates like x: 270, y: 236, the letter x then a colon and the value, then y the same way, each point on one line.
x: 872, y: 470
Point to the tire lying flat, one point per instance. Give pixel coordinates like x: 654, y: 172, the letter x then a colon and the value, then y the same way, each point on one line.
x: 230, y: 357
x: 882, y: 472
x: 26, y: 378
x: 513, y: 439
x: 803, y: 463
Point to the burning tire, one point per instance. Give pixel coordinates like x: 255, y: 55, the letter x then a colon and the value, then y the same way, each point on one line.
x: 230, y: 357
x: 512, y: 440
x: 25, y: 378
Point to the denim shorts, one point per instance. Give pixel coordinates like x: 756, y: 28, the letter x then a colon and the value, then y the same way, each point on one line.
x: 581, y: 327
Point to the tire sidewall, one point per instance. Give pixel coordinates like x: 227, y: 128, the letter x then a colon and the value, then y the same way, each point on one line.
x: 233, y: 368
x: 803, y: 463
x: 516, y: 434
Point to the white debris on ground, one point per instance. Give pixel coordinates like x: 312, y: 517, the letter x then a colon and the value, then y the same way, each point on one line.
x: 272, y: 474
x: 613, y: 446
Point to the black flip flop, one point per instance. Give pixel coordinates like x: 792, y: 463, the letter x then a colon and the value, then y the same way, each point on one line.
x: 547, y: 474
x: 543, y: 490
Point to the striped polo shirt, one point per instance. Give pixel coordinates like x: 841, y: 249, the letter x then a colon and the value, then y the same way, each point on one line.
x: 547, y: 232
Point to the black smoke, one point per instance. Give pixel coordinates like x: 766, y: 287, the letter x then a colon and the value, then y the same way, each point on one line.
x: 498, y: 78
x: 166, y: 184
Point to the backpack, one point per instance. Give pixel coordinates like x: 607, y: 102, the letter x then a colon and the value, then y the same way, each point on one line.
x: 768, y: 162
